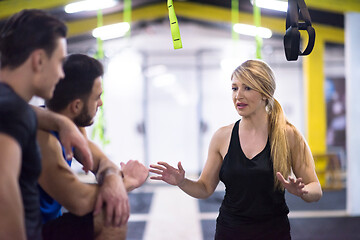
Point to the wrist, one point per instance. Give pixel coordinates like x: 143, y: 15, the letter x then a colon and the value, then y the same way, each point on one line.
x: 182, y: 183
x: 100, y: 177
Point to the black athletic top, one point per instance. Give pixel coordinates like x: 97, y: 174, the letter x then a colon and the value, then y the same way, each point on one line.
x: 18, y: 120
x: 249, y: 196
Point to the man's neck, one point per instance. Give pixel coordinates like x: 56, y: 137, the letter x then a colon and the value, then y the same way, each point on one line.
x: 19, y: 81
x: 66, y: 113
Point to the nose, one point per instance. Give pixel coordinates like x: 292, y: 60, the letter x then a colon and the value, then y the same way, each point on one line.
x: 238, y: 95
x: 100, y: 102
x: 62, y: 74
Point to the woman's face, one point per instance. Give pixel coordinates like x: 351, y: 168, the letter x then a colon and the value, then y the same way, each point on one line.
x: 247, y: 101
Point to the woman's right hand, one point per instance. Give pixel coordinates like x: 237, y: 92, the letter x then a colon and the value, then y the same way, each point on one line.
x: 168, y: 173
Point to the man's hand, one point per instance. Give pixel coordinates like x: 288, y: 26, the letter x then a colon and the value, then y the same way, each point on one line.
x: 70, y: 136
x: 113, y: 195
x: 135, y: 174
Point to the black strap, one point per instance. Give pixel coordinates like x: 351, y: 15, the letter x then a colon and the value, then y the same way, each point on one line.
x: 311, y: 42
x: 291, y: 38
x: 292, y: 15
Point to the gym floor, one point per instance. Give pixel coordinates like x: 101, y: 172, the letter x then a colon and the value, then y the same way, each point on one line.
x: 163, y: 212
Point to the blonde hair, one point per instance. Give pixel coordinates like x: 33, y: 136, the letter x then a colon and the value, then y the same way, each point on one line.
x: 260, y: 77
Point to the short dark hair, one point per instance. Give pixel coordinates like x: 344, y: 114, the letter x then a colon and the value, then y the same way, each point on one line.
x: 26, y: 31
x: 80, y: 73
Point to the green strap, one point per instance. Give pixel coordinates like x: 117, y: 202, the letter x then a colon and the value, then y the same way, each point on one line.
x: 234, y: 18
x: 175, y: 31
x: 127, y: 15
x: 99, y: 126
x: 257, y: 21
x: 100, y: 51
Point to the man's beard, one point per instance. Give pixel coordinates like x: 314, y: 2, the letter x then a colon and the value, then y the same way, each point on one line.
x: 83, y: 119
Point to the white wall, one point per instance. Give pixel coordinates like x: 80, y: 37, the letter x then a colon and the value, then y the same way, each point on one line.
x: 182, y: 87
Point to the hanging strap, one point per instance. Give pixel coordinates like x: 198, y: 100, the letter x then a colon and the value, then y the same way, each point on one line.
x: 174, y: 25
x: 291, y: 42
x: 257, y: 21
x: 127, y: 15
x: 234, y: 18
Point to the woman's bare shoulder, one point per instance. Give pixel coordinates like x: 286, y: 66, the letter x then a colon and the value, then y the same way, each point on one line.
x: 224, y: 131
x: 221, y: 137
x: 293, y: 134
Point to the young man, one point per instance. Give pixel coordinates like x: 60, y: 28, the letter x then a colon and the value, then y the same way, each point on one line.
x: 77, y: 97
x: 32, y: 49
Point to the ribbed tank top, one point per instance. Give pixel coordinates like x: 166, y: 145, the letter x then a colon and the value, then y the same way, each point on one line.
x: 249, y: 196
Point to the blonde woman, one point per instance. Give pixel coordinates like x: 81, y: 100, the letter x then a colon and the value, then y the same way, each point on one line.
x: 254, y: 158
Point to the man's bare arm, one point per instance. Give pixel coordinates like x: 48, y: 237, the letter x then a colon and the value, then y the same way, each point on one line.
x: 112, y: 192
x: 11, y: 207
x: 133, y: 172
x: 69, y: 134
x: 60, y: 182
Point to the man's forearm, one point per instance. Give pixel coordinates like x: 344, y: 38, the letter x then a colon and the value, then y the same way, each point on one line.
x: 103, y: 166
x: 47, y: 120
x: 128, y: 183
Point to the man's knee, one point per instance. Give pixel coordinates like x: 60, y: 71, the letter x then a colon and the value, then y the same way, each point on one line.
x: 102, y: 232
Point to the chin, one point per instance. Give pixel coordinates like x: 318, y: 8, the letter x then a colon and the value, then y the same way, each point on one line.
x: 45, y: 96
x: 49, y: 96
x: 89, y: 123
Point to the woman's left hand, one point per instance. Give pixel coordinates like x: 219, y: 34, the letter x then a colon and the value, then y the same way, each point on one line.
x: 296, y: 187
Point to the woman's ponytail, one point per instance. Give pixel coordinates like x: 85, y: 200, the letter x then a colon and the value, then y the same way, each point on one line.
x: 280, y: 150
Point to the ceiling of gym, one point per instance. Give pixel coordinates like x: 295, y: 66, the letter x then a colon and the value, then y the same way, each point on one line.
x: 325, y: 12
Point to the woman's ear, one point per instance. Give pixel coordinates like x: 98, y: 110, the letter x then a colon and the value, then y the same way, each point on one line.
x: 265, y: 99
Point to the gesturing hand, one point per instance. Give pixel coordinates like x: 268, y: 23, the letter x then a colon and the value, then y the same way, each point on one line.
x: 293, y: 186
x: 135, y: 174
x: 168, y: 173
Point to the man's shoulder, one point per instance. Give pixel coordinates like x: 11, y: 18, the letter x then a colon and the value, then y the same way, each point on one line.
x: 48, y: 141
x: 8, y: 96
x: 13, y: 108
x: 17, y: 119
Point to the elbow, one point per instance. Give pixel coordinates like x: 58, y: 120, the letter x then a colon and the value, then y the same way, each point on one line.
x: 318, y: 195
x: 80, y: 208
x: 313, y: 196
x: 207, y: 191
x: 206, y: 194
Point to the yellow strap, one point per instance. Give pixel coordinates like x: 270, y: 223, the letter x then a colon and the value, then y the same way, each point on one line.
x: 174, y: 25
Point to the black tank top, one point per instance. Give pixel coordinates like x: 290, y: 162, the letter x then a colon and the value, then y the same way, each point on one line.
x: 249, y: 196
